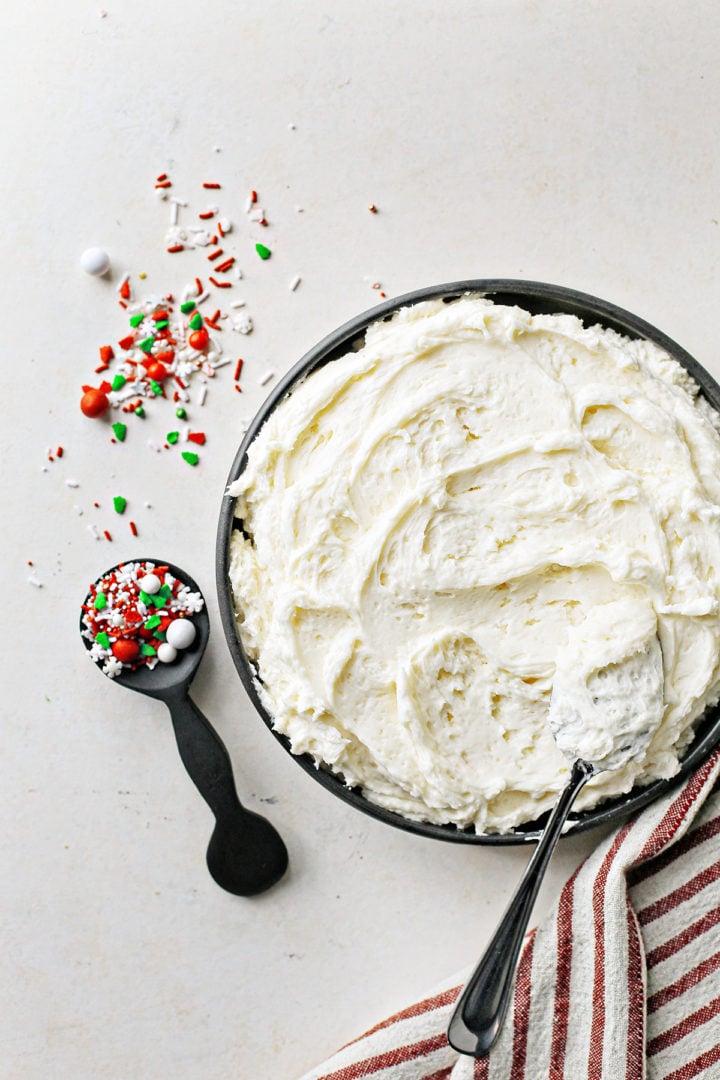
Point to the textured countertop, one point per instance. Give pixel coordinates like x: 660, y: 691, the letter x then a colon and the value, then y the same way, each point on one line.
x: 575, y: 144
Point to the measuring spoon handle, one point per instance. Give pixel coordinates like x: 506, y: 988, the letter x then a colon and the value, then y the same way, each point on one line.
x: 246, y: 855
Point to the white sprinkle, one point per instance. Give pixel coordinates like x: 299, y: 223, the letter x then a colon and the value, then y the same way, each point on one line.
x: 249, y: 204
x: 217, y: 149
x: 291, y: 126
x: 258, y: 214
x: 266, y: 378
x: 173, y: 212
x: 93, y: 532
x: 201, y: 237
x: 78, y: 510
x: 71, y: 484
x: 147, y: 505
x: 161, y: 193
x: 34, y: 581
x: 225, y: 225
x: 294, y: 283
x: 299, y: 210
x: 202, y: 298
x: 243, y: 324
x: 43, y: 468
x: 238, y: 273
x: 154, y: 446
x: 237, y: 304
x: 202, y: 395
x: 221, y: 363
x: 178, y: 202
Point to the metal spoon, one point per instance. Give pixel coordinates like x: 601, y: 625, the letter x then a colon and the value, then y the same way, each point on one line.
x: 245, y: 855
x: 631, y: 720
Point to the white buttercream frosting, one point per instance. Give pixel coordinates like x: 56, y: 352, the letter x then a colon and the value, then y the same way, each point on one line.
x: 436, y: 523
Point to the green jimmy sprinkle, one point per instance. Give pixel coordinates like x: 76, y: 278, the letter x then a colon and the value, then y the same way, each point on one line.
x: 192, y: 459
x: 119, y: 431
x: 263, y: 251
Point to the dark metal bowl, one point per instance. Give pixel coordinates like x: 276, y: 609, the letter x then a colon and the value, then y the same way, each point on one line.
x: 537, y: 298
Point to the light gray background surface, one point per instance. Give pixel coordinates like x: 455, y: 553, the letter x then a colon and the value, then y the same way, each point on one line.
x: 572, y: 143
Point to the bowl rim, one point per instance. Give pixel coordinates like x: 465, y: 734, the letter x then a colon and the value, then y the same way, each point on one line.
x: 536, y: 297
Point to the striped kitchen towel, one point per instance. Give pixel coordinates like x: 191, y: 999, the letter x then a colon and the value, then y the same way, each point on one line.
x: 620, y: 982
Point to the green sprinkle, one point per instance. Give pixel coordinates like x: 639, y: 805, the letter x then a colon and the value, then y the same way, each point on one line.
x: 147, y: 650
x: 156, y: 387
x: 146, y: 344
x: 196, y: 321
x: 119, y: 503
x: 192, y: 459
x: 139, y: 411
x: 103, y: 639
x: 100, y: 601
x: 172, y: 437
x: 152, y: 622
x: 135, y: 320
x: 187, y: 307
x: 162, y: 324
x: 165, y: 591
x: 118, y: 382
x: 158, y: 600
x: 262, y: 251
x: 180, y: 413
x: 160, y: 634
x: 119, y: 431
x: 146, y: 598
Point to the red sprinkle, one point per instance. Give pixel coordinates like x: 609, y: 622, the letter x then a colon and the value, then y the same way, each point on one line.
x: 215, y: 317
x: 215, y: 254
x: 59, y: 452
x: 209, y: 185
x: 198, y: 285
x: 197, y: 437
x: 206, y: 214
x: 127, y: 342
x: 220, y: 229
x: 106, y: 354
x: 221, y: 284
x: 107, y: 535
x: 159, y: 179
x: 164, y: 183
x: 176, y: 247
x: 125, y: 290
x: 238, y: 369
x: 133, y: 528
x: 180, y: 383
x: 223, y: 266
x: 253, y: 196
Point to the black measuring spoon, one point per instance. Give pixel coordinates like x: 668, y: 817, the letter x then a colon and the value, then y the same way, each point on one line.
x: 246, y: 855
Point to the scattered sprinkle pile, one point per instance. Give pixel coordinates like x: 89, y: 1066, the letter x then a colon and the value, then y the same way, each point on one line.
x: 137, y: 615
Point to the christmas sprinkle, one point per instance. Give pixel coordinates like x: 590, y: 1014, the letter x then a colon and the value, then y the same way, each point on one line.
x: 138, y: 615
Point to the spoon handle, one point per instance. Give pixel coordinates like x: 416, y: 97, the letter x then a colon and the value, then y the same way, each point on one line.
x: 481, y: 1008
x: 246, y: 855
x: 203, y: 754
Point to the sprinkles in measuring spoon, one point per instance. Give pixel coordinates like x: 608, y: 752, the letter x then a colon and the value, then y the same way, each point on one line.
x: 138, y: 615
